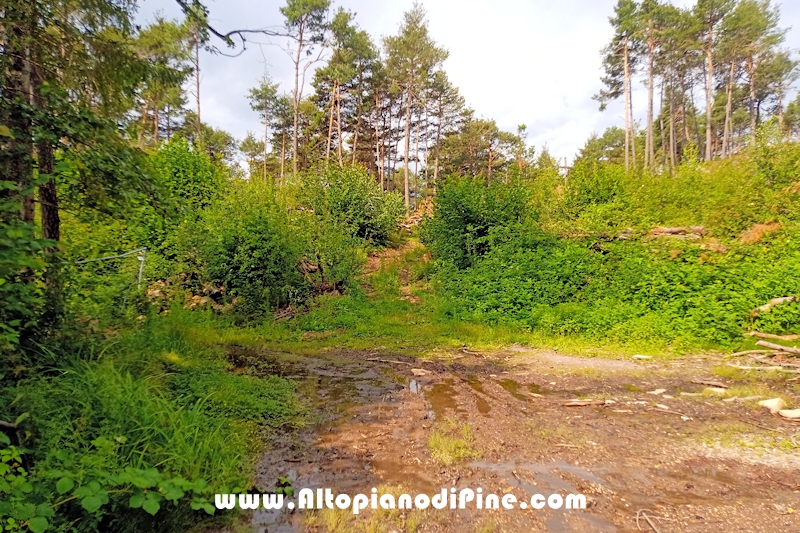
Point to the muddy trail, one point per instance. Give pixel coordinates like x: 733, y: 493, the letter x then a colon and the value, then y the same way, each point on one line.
x: 630, y: 435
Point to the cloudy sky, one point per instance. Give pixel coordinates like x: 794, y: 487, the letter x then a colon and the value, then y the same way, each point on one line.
x: 533, y: 62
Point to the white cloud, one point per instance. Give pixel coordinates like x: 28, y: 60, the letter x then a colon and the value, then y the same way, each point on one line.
x: 533, y: 62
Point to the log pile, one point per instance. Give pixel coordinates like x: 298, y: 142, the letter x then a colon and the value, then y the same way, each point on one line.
x: 771, y: 355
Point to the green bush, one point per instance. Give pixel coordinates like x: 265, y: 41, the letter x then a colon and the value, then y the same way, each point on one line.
x: 464, y: 214
x: 353, y: 198
x: 246, y: 243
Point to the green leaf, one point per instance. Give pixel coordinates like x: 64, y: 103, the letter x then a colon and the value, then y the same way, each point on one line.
x: 21, y: 418
x: 38, y: 524
x: 4, y: 439
x: 44, y: 509
x: 208, y: 508
x: 151, y: 505
x: 137, y: 499
x: 174, y: 494
x: 91, y: 503
x: 64, y: 485
x: 5, y: 131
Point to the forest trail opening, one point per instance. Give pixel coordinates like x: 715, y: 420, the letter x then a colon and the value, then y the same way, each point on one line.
x: 668, y: 436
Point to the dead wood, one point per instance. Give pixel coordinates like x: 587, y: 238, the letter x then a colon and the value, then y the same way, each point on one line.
x: 779, y: 347
x: 772, y: 303
x: 772, y: 336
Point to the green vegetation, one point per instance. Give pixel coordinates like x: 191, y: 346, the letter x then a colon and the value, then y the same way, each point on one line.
x: 451, y: 442
x: 586, y: 258
x: 137, y: 254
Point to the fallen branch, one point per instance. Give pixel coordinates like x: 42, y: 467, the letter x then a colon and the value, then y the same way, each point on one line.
x: 751, y: 352
x: 772, y: 303
x: 782, y: 369
x: 9, y: 425
x: 681, y: 230
x: 647, y: 518
x: 390, y: 361
x: 584, y: 403
x: 772, y: 336
x: 709, y: 383
x: 769, y: 362
x: 779, y: 347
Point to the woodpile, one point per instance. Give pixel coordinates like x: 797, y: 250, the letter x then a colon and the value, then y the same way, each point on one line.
x: 771, y: 355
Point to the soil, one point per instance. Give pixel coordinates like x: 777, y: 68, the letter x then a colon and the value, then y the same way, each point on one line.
x: 692, y: 462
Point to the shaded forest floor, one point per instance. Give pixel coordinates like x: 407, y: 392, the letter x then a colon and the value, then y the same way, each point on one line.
x: 681, y: 437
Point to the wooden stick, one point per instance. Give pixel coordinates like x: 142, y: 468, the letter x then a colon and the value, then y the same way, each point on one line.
x: 748, y: 352
x: 772, y: 336
x: 779, y: 347
x: 647, y: 518
x: 764, y: 368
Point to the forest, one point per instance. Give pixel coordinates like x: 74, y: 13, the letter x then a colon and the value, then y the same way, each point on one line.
x: 184, y: 313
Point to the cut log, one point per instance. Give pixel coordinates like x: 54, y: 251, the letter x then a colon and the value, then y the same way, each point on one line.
x: 779, y: 347
x: 772, y: 336
x: 772, y: 303
x: 680, y: 230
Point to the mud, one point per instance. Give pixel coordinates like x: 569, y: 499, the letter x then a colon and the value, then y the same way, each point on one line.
x: 370, y: 422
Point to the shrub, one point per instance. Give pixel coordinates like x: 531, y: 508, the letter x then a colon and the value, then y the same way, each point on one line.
x: 351, y: 196
x: 464, y: 214
x: 246, y: 243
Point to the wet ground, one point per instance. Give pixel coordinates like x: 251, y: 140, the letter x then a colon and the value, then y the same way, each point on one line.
x: 542, y: 422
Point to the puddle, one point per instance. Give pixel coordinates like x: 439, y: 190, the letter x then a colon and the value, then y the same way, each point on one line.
x: 533, y: 388
x: 475, y: 383
x: 483, y: 406
x: 442, y: 396
x: 512, y: 387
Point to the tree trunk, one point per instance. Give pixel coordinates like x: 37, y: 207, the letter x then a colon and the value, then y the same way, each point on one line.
x: 627, y: 105
x: 266, y: 136
x: 155, y: 124
x: 416, y: 150
x: 673, y: 149
x: 406, y: 192
x: 709, y: 91
x: 726, y: 133
x: 283, y: 153
x: 438, y: 138
x: 296, y: 100
x: 144, y: 123
x: 339, y: 121
x: 649, y: 152
x: 751, y: 70
x: 330, y: 124
x: 199, y: 124
x: 17, y: 160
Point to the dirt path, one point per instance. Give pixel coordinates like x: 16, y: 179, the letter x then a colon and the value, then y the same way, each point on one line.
x: 695, y: 461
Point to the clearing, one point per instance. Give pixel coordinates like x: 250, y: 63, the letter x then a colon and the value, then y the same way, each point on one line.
x: 680, y: 439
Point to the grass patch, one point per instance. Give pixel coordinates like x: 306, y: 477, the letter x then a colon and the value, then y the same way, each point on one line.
x: 451, y: 442
x: 741, y: 435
